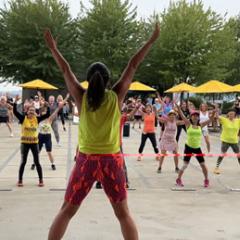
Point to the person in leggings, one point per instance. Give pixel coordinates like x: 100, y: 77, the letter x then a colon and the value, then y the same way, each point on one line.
x: 229, y: 136
x: 29, y: 140
x: 99, y: 155
x: 193, y: 144
x: 185, y: 110
x: 148, y: 131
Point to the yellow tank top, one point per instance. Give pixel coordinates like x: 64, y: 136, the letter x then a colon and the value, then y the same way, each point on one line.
x: 29, y: 131
x: 99, y: 131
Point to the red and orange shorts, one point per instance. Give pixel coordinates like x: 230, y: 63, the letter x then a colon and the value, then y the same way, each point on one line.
x: 106, y: 168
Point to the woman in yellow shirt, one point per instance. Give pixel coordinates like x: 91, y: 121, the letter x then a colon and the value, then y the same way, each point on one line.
x: 99, y: 139
x: 229, y: 135
x: 29, y: 139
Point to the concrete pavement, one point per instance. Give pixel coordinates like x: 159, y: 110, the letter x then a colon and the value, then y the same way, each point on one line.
x: 161, y: 214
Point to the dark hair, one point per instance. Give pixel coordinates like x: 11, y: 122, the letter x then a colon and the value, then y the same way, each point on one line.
x: 231, y: 110
x: 97, y: 77
x: 198, y: 122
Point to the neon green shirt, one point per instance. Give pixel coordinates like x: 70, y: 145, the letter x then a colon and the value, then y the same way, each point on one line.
x: 99, y: 131
x: 230, y: 130
x: 194, y: 137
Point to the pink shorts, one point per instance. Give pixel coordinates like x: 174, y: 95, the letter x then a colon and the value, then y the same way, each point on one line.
x: 106, y: 168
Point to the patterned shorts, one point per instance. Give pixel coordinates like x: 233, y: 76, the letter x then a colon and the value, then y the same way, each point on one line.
x: 106, y: 168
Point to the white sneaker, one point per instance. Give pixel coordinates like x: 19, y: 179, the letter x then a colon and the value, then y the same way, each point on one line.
x: 11, y: 134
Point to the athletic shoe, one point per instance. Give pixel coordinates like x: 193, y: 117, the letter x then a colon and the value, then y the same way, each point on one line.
x: 179, y: 182
x: 177, y: 170
x: 33, y: 166
x: 59, y: 145
x: 159, y: 170
x: 41, y: 184
x: 139, y: 158
x: 53, y: 167
x: 206, y: 183
x: 20, y: 184
x: 216, y: 170
x: 98, y: 185
x: 11, y: 134
x: 64, y: 129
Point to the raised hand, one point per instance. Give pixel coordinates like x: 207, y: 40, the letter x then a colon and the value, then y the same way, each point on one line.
x: 51, y: 43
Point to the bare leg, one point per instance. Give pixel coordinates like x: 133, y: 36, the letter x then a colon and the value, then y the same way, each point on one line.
x: 50, y: 156
x: 9, y: 127
x: 128, y: 226
x: 61, y: 221
x: 175, y: 159
x: 162, y: 158
x: 207, y: 142
x: 204, y: 169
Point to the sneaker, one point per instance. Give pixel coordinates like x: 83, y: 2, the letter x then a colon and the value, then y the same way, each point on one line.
x: 33, y: 166
x: 206, y: 183
x: 64, y: 129
x: 98, y: 185
x: 216, y: 170
x: 41, y: 184
x: 139, y: 158
x: 179, y: 182
x: 159, y: 170
x: 177, y: 170
x: 11, y: 134
x: 20, y: 184
x: 53, y: 167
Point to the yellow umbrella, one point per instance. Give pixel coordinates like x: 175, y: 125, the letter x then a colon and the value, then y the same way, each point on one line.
x: 236, y: 88
x: 214, y: 86
x: 84, y: 84
x: 137, y: 86
x: 38, y: 84
x: 182, y: 87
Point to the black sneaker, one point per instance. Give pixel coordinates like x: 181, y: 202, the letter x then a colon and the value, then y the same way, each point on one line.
x: 177, y: 170
x: 64, y: 129
x: 159, y: 170
x: 98, y: 185
x: 53, y: 167
x: 33, y: 166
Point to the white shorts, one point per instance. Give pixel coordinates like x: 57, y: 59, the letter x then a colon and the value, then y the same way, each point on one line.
x: 205, y: 132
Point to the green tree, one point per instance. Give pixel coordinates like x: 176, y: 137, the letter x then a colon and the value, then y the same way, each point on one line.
x: 109, y: 33
x: 195, y: 45
x: 23, y: 52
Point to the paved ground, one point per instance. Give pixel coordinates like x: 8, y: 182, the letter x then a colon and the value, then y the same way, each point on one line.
x: 211, y: 214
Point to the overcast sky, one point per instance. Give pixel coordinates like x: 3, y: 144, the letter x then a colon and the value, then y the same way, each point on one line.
x: 146, y: 7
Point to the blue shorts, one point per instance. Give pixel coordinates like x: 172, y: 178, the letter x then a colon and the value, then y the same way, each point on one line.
x: 45, y: 139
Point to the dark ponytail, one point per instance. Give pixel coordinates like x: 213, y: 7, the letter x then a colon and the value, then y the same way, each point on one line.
x: 98, y: 77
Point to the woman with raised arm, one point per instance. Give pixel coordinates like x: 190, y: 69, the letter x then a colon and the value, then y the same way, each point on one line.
x: 29, y: 139
x: 193, y: 144
x: 45, y: 136
x: 99, y: 139
x: 168, y: 140
x: 148, y: 131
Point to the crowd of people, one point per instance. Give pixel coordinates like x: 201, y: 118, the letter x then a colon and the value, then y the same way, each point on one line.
x: 99, y: 153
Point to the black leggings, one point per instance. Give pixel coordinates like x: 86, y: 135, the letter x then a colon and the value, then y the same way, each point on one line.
x: 24, y: 153
x: 61, y: 117
x: 152, y: 138
x: 179, y: 130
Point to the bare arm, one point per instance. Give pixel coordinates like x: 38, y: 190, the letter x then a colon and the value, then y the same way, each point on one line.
x: 71, y: 81
x: 122, y: 86
x: 185, y: 120
x: 60, y: 106
x: 203, y: 124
